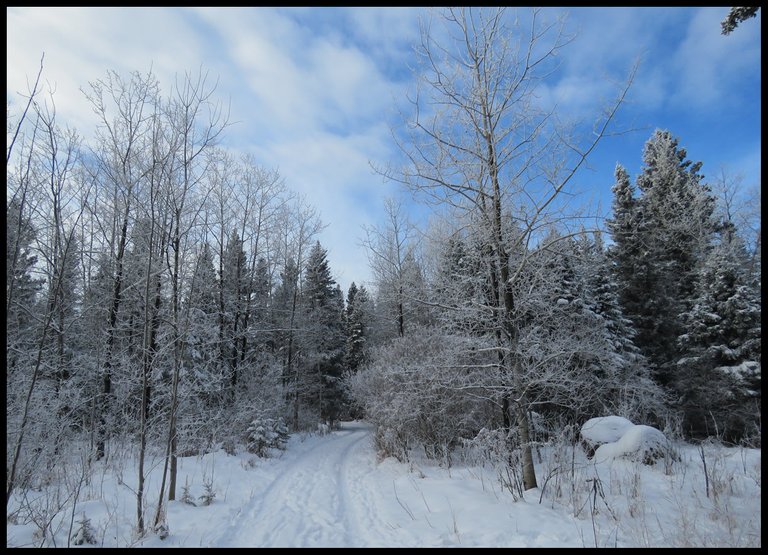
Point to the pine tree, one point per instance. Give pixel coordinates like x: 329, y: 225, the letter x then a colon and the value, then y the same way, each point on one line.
x: 203, y: 295
x: 624, y: 252
x: 630, y: 390
x: 21, y: 286
x: 283, y: 316
x: 260, y: 306
x: 202, y: 352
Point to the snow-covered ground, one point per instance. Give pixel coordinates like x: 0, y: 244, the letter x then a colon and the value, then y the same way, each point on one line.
x: 331, y: 490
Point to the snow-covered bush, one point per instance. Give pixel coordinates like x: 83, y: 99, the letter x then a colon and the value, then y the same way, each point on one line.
x: 186, y: 496
x: 603, y: 429
x: 266, y: 433
x: 162, y: 530
x: 640, y: 443
x: 609, y: 437
x: 487, y: 446
x: 422, y: 390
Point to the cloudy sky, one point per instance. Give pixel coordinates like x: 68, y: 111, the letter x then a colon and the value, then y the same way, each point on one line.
x: 314, y: 91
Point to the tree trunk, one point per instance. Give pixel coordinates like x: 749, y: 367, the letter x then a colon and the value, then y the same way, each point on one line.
x: 101, y: 432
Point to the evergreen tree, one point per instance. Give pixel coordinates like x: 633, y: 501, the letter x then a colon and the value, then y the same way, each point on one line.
x: 283, y: 318
x: 324, y: 340
x: 624, y: 252
x: 203, y: 296
x: 629, y: 388
x: 260, y: 306
x: 235, y: 292
x: 21, y: 287
x: 357, y: 323
x: 203, y: 336
x: 720, y: 368
x: 576, y: 339
x: 661, y: 237
x: 462, y: 282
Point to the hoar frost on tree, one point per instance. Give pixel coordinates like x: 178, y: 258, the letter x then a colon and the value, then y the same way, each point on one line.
x: 478, y: 143
x: 687, y: 286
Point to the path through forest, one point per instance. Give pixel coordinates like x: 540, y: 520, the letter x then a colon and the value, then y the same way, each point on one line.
x: 321, y: 499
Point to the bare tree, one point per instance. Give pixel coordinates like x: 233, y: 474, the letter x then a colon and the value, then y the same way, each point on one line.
x: 122, y: 164
x: 192, y: 100
x: 481, y: 141
x: 300, y: 225
x: 22, y: 118
x: 391, y: 250
x: 55, y: 156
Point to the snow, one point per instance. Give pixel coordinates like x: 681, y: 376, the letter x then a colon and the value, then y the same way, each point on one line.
x: 637, y: 443
x: 741, y: 371
x: 604, y: 429
x: 334, y: 491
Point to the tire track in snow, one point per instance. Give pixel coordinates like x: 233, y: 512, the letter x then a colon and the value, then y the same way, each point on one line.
x: 308, y: 504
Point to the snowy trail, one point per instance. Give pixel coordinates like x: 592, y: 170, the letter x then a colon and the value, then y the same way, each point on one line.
x: 311, y: 503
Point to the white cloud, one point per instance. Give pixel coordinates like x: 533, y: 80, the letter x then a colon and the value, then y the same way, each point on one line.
x: 316, y: 105
x: 308, y: 103
x: 313, y: 88
x: 81, y: 44
x: 334, y: 174
x: 708, y: 63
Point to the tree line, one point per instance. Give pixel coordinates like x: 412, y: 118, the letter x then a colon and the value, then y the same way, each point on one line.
x: 161, y: 292
x: 520, y: 321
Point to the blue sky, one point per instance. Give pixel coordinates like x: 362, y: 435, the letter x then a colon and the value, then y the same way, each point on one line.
x: 314, y: 90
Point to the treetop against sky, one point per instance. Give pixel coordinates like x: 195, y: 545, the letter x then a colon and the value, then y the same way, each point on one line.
x: 316, y: 92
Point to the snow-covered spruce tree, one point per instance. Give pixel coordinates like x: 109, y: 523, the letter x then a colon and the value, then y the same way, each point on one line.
x: 235, y: 282
x: 562, y: 342
x: 720, y: 371
x: 661, y: 237
x: 357, y: 326
x: 22, y: 286
x: 283, y: 314
x: 260, y: 379
x: 204, y: 386
x: 624, y: 253
x: 628, y: 388
x: 478, y: 142
x: 358, y: 317
x: 572, y: 340
x: 22, y: 328
x: 323, y: 336
x: 461, y: 287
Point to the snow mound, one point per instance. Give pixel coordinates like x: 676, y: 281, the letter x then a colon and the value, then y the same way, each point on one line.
x: 603, y: 429
x: 640, y: 443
